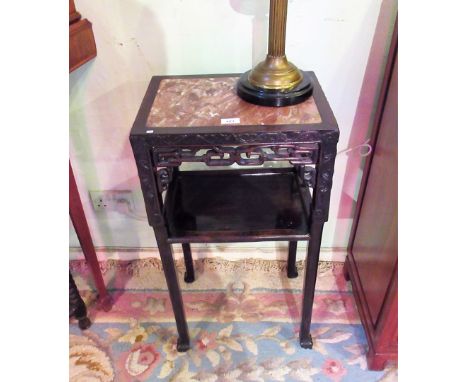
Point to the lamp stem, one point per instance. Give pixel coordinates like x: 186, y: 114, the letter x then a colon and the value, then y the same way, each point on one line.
x: 277, y: 30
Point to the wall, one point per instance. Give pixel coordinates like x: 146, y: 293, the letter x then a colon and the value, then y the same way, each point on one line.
x: 141, y: 38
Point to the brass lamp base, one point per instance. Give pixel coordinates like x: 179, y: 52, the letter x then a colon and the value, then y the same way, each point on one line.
x: 274, y: 97
x: 275, y: 81
x: 275, y: 73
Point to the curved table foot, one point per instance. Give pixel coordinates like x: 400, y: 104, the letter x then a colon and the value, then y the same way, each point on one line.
x: 189, y: 278
x: 182, y: 346
x: 292, y: 273
x: 306, y: 343
x: 84, y: 323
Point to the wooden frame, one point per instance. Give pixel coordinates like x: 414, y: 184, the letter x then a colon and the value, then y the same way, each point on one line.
x: 156, y: 177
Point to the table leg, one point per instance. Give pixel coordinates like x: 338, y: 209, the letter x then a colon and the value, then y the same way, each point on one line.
x: 310, y: 277
x: 153, y: 184
x: 292, y: 269
x: 77, y: 305
x: 78, y: 219
x: 189, y: 276
x: 346, y: 269
x: 167, y: 259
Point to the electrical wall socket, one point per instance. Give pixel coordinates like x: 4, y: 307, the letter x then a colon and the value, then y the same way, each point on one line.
x: 112, y: 200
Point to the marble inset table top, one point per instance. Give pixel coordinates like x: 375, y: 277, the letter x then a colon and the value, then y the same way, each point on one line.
x: 183, y: 102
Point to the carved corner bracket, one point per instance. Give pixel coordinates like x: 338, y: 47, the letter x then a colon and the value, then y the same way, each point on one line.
x: 164, y: 177
x: 307, y: 175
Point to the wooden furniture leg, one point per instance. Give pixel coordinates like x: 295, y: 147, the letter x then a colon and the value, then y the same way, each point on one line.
x: 77, y: 307
x: 346, y: 270
x: 292, y: 269
x: 189, y: 276
x: 377, y: 361
x: 167, y: 259
x: 310, y: 277
x: 152, y: 192
x: 78, y: 219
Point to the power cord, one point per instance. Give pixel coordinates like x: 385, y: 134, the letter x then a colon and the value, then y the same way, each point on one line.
x: 365, y: 145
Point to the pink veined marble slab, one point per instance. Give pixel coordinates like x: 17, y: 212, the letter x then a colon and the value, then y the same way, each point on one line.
x: 183, y: 102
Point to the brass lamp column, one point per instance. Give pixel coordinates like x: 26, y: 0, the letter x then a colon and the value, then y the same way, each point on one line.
x: 275, y: 81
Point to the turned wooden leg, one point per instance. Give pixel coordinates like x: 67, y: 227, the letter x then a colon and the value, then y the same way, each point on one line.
x: 310, y: 277
x: 189, y: 276
x: 165, y: 250
x: 292, y: 269
x: 78, y: 219
x: 77, y: 307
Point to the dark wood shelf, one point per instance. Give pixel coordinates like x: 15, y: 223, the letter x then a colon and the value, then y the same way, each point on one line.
x: 232, y: 205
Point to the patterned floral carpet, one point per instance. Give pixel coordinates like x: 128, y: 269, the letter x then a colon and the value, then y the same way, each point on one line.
x: 243, y: 319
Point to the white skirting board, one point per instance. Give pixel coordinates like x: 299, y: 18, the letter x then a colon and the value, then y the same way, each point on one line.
x: 237, y: 251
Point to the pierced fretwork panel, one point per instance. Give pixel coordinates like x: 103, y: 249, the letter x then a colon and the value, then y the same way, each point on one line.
x: 296, y: 154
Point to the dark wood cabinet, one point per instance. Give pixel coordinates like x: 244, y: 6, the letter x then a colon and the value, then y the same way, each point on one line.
x: 372, y: 262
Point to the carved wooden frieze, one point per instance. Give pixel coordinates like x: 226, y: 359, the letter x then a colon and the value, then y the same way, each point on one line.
x: 246, y: 155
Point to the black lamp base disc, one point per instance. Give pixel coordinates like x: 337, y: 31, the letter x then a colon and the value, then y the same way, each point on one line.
x: 265, y: 97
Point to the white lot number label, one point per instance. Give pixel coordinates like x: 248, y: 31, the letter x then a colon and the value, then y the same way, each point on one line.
x: 230, y: 121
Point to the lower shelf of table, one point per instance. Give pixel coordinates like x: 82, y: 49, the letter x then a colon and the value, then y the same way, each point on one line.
x: 236, y: 206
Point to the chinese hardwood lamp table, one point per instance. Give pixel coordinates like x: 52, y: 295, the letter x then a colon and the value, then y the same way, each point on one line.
x: 190, y: 119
